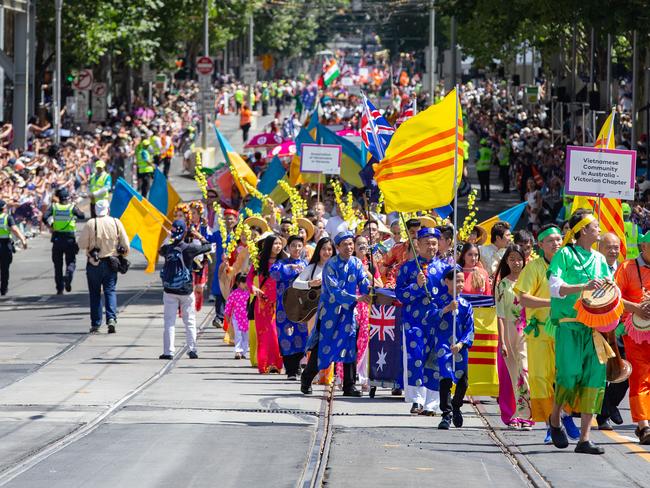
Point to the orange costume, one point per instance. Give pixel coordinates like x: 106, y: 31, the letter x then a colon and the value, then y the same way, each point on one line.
x: 637, y: 345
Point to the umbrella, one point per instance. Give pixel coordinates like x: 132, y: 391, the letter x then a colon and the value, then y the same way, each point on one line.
x: 349, y: 133
x: 284, y: 150
x: 266, y: 139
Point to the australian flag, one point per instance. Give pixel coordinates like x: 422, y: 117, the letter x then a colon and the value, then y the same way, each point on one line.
x: 375, y: 125
x: 385, y: 345
x: 407, y: 112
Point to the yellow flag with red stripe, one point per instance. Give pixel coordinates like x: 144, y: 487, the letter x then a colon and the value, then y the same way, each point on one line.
x: 611, y: 209
x: 417, y: 172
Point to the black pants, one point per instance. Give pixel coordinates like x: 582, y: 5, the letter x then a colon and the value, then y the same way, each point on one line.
x: 166, y: 162
x: 614, y: 392
x: 6, y: 257
x: 504, y: 174
x: 219, y: 305
x: 311, y: 370
x: 244, y: 129
x: 446, y: 402
x: 265, y: 107
x: 484, y: 180
x: 64, y: 247
x: 144, y: 183
x: 292, y: 363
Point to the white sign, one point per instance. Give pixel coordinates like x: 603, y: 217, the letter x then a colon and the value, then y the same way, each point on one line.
x: 204, y: 65
x: 82, y: 100
x: 206, y: 94
x: 321, y: 158
x: 605, y: 173
x: 249, y: 74
x: 98, y: 109
x: 83, y: 80
x: 347, y: 81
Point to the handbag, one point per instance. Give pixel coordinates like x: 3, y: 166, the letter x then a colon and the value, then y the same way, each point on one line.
x: 301, y: 305
x: 119, y: 263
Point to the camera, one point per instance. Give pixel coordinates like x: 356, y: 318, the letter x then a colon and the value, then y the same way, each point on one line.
x: 121, y: 250
x: 94, y: 253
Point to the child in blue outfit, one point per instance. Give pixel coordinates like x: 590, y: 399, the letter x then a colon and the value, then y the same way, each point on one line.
x: 445, y: 349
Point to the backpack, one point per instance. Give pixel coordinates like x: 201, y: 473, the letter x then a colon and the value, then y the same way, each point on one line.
x: 174, y: 274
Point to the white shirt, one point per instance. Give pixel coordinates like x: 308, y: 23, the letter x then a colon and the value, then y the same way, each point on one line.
x: 302, y: 281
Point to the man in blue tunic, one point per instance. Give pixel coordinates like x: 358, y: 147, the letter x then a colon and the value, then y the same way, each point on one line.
x: 417, y: 288
x: 440, y: 372
x: 292, y: 336
x: 334, y: 339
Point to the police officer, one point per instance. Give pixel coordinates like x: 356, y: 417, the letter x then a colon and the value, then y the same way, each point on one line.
x: 7, y: 248
x: 144, y: 160
x: 62, y: 219
x: 99, y: 185
x: 483, y: 165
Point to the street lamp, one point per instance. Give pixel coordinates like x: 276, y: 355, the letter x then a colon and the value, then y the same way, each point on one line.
x: 56, y: 102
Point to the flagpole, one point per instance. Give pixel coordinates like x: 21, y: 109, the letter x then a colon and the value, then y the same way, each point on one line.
x: 380, y: 149
x: 455, y: 313
x: 610, y: 131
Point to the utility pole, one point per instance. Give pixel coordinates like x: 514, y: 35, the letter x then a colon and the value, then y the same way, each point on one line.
x: 608, y: 86
x: 635, y: 89
x: 432, y: 48
x: 206, y: 49
x: 56, y: 101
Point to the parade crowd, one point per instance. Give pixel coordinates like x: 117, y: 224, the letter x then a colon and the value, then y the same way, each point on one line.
x: 294, y: 286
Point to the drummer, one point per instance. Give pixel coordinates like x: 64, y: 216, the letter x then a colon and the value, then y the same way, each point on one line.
x: 533, y: 292
x: 633, y: 278
x: 580, y: 376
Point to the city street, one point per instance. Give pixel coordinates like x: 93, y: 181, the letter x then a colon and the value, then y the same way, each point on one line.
x: 80, y: 410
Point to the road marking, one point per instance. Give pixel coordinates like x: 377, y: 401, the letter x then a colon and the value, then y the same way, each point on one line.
x: 628, y: 442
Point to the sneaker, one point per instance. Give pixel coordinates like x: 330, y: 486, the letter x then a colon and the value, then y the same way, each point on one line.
x: 457, y: 417
x: 166, y: 356
x: 68, y: 285
x: 306, y: 389
x: 94, y: 330
x: 547, y: 439
x: 217, y: 323
x: 352, y: 392
x: 571, y: 429
x: 292, y: 377
x: 445, y: 423
x: 605, y: 425
x: 193, y: 355
x: 588, y: 447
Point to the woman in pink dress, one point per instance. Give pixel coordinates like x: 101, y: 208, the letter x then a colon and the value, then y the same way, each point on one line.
x: 263, y: 287
x: 477, y: 280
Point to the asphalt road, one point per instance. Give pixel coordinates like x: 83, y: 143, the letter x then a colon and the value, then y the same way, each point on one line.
x: 103, y: 411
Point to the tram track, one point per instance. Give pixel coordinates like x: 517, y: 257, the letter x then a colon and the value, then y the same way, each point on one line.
x: 40, y: 454
x: 79, y: 340
x: 313, y: 475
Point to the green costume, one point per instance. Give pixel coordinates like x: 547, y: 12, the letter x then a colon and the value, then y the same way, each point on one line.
x: 580, y: 377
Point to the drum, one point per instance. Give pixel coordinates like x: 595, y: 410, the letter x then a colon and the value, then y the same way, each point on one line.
x: 618, y: 369
x: 600, y: 308
x: 637, y: 328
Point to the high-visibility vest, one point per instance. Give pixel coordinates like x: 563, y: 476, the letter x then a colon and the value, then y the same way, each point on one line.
x: 169, y: 153
x: 143, y: 159
x: 631, y: 240
x: 5, y: 231
x: 466, y: 150
x: 155, y: 147
x: 504, y: 156
x: 64, y: 219
x: 97, y: 183
x: 484, y: 159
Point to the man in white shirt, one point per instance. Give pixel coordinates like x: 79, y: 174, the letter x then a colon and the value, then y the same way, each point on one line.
x: 491, y: 254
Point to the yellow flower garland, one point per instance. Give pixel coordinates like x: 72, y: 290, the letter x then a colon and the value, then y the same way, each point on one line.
x: 470, y: 222
x: 345, y: 209
x: 252, y: 246
x: 298, y: 205
x: 202, y: 182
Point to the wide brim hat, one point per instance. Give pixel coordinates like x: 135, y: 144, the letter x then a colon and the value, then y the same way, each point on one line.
x: 427, y: 221
x: 256, y: 221
x: 306, y: 224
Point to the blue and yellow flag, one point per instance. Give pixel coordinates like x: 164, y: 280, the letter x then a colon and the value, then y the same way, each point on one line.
x: 351, y: 158
x: 511, y: 215
x: 162, y: 195
x: 237, y: 162
x: 143, y: 223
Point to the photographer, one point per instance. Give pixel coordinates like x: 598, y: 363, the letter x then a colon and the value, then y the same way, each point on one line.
x: 103, y: 238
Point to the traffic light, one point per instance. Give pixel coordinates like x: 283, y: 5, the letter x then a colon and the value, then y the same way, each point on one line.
x: 69, y: 78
